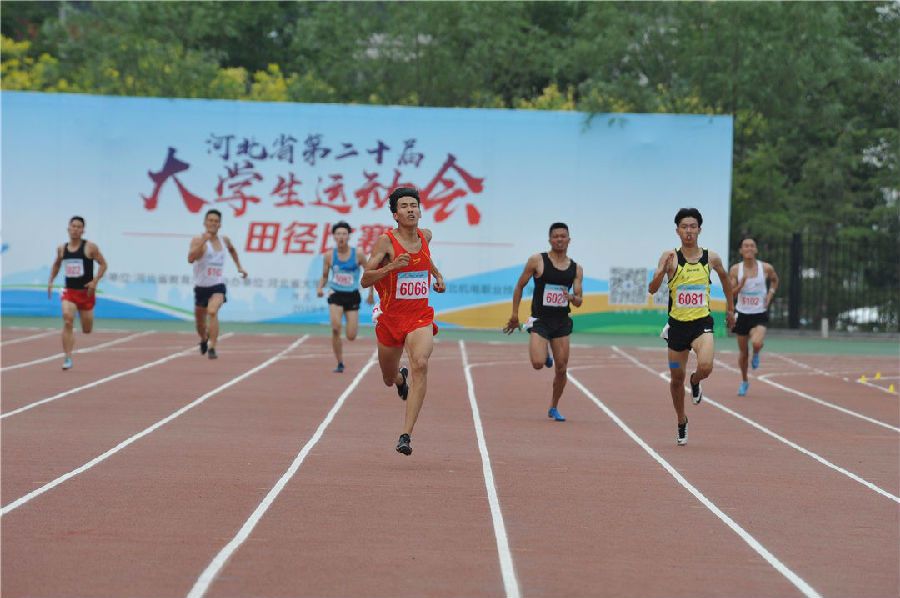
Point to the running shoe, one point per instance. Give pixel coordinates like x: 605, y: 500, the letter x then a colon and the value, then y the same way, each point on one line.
x: 403, y: 445
x: 212, y: 353
x: 681, y: 439
x: 204, y: 346
x: 555, y: 415
x: 340, y: 368
x: 696, y: 391
x: 67, y: 363
x: 755, y: 361
x: 403, y: 389
x: 742, y: 389
x: 549, y: 362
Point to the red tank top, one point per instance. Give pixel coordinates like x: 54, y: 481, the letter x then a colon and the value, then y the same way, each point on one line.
x: 405, y: 291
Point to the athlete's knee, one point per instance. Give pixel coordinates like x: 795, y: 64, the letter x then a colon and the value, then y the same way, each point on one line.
x: 389, y: 379
x: 676, y: 376
x: 560, y: 367
x: 538, y: 365
x: 704, y: 368
x: 351, y: 336
x: 87, y: 328
x: 757, y: 346
x: 418, y: 364
x: 68, y: 320
x: 335, y: 331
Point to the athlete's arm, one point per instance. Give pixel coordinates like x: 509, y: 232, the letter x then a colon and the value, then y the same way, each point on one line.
x: 576, y: 297
x: 715, y: 262
x: 54, y: 270
x: 374, y: 270
x: 326, y: 266
x: 529, y: 271
x: 361, y: 260
x: 770, y: 273
x: 665, y: 266
x: 93, y: 252
x: 198, y: 247
x: 736, y: 284
x: 234, y: 256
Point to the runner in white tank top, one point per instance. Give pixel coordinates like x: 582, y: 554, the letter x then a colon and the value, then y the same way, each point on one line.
x: 750, y: 278
x: 207, y: 254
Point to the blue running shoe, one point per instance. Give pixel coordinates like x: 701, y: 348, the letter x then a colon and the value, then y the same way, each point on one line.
x: 549, y: 362
x: 555, y: 414
x: 67, y: 363
x: 755, y: 361
x: 742, y: 389
x: 340, y: 368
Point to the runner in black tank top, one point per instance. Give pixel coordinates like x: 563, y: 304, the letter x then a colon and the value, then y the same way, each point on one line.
x: 76, y: 259
x: 557, y: 284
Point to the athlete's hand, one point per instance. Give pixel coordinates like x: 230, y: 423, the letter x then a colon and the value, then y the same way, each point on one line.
x: 50, y: 291
x: 91, y: 287
x: 320, y: 292
x: 671, y: 259
x: 207, y: 236
x: 401, y: 261
x: 242, y: 272
x: 512, y: 325
x: 729, y: 320
x: 370, y: 299
x: 439, y: 286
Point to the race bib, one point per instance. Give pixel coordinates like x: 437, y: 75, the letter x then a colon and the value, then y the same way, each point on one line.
x: 412, y: 285
x: 73, y: 267
x: 214, y: 271
x: 555, y: 295
x: 750, y: 300
x: 691, y: 295
x: 343, y: 279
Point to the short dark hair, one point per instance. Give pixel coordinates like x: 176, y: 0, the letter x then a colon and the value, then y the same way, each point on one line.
x: 746, y: 237
x: 688, y: 213
x: 341, y: 224
x: 74, y: 218
x: 213, y: 211
x: 399, y: 192
x: 557, y: 225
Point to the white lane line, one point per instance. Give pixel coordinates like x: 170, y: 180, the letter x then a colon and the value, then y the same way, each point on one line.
x: 778, y: 437
x: 109, y: 378
x: 149, y: 430
x: 30, y: 338
x: 507, y: 568
x: 829, y: 374
x: 201, y: 586
x: 795, y: 579
x: 79, y: 351
x: 809, y: 397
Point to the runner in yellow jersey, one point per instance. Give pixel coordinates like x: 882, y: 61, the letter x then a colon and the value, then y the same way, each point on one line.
x: 690, y: 324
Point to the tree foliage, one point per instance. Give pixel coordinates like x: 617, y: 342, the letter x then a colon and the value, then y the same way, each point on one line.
x: 813, y: 88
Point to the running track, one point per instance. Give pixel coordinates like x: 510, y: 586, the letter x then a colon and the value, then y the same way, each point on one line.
x: 150, y: 471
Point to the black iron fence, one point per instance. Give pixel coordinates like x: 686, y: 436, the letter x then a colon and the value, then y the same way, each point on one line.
x: 854, y: 283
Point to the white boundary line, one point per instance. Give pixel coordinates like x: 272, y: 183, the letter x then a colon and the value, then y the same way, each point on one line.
x: 808, y: 397
x: 795, y: 579
x: 109, y: 378
x: 507, y: 568
x: 201, y: 586
x: 79, y: 351
x: 824, y: 373
x: 778, y: 437
x: 29, y: 338
x: 132, y: 439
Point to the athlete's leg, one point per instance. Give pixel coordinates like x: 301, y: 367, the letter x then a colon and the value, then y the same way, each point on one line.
x: 743, y: 355
x: 68, y: 331
x: 336, y: 312
x: 352, y: 323
x: 87, y: 320
x: 677, y: 363
x: 389, y: 362
x: 560, y: 347
x: 200, y: 321
x: 757, y: 338
x: 212, y: 311
x: 537, y: 350
x: 419, y: 344
x: 704, y: 347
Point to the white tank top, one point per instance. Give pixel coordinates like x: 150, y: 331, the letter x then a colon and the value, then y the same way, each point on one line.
x: 752, y: 298
x: 209, y: 269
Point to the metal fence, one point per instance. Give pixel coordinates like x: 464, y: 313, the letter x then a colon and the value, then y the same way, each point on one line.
x: 854, y: 283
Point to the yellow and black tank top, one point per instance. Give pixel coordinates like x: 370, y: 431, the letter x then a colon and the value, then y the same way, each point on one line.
x: 689, y: 289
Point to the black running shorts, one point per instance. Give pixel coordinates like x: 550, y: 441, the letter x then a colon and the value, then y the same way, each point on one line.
x: 746, y: 322
x: 348, y: 300
x: 682, y: 334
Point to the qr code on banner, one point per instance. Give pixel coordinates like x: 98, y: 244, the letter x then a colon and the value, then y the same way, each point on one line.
x: 627, y: 286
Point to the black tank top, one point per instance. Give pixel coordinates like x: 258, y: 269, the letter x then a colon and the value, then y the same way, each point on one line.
x: 550, y: 299
x: 78, y: 265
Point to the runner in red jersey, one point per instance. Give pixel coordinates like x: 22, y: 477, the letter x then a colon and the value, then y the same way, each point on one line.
x: 401, y: 269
